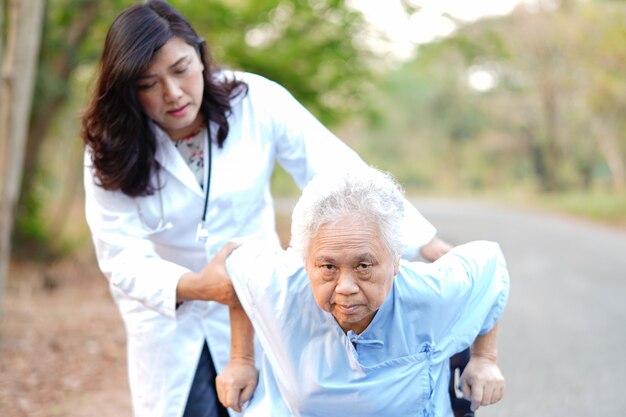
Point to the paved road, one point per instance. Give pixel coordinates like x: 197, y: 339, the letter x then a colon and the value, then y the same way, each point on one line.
x: 563, y: 336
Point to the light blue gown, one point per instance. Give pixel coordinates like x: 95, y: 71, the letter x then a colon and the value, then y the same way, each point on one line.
x: 398, y: 366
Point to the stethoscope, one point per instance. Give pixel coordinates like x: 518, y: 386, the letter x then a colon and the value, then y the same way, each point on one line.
x: 202, y: 231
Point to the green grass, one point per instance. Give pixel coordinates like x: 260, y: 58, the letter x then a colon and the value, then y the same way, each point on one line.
x: 601, y: 206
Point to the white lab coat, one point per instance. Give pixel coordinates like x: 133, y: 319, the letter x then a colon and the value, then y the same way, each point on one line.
x: 143, y: 265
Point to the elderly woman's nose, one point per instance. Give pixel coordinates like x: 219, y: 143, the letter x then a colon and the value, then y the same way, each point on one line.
x: 347, y: 284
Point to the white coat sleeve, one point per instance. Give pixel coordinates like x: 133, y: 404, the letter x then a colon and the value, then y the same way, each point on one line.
x: 305, y: 147
x: 125, y: 256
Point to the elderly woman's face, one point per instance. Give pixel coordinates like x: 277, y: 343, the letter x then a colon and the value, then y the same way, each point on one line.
x: 350, y: 271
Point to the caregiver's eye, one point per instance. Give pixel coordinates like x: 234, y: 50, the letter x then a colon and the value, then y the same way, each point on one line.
x: 145, y: 86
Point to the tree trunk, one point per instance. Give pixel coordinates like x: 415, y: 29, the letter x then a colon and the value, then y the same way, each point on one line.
x: 24, y: 20
x: 2, y: 141
x: 608, y: 143
x: 550, y: 142
x: 51, y: 103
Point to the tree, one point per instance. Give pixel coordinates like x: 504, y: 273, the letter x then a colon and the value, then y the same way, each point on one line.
x: 552, y: 116
x: 19, y: 63
x: 325, y: 67
x: 603, y: 40
x: 559, y: 93
x: 68, y: 26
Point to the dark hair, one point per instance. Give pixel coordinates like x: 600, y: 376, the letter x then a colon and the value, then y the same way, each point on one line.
x: 114, y: 125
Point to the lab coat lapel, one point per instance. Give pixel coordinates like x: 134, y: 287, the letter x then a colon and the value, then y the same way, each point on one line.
x: 170, y: 159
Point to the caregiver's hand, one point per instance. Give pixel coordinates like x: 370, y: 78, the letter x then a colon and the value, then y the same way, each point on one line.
x: 212, y: 283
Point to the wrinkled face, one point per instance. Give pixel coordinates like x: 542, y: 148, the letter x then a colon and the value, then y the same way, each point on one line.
x: 170, y: 91
x: 350, y: 272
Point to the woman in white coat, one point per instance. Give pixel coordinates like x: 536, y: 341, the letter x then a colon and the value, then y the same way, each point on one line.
x: 178, y: 161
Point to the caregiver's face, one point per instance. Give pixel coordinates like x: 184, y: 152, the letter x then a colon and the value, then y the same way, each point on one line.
x: 170, y: 91
x: 350, y: 271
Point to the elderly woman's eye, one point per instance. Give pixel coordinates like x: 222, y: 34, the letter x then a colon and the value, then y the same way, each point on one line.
x: 364, y: 266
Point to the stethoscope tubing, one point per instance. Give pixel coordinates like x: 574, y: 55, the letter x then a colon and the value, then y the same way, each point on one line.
x: 208, y: 161
x: 201, y: 234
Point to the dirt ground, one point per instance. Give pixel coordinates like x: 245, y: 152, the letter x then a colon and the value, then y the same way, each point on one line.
x: 62, y: 344
x: 62, y: 341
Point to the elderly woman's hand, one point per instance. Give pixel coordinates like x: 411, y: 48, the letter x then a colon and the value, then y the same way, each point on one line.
x: 482, y: 381
x: 236, y: 383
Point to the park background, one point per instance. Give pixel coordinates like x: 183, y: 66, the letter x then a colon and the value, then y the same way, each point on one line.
x: 523, y: 105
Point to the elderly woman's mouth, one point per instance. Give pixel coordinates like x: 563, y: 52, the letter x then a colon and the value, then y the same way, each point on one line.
x: 346, y: 309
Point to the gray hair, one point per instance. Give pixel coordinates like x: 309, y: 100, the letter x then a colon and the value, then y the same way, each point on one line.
x: 364, y: 193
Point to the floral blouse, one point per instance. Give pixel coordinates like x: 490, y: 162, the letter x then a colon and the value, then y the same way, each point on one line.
x: 192, y: 150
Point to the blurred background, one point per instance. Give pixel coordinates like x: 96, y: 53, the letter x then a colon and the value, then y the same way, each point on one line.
x: 520, y: 102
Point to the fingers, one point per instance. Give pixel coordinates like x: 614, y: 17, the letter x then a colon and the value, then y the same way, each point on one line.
x: 498, y: 393
x: 217, y: 281
x: 227, y: 249
x: 232, y: 398
x: 235, y: 385
x: 221, y: 390
x: 482, y: 392
x: 473, y: 393
x: 246, y: 393
x: 227, y: 393
x: 483, y: 397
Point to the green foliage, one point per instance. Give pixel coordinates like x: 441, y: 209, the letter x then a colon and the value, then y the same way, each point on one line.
x: 554, y: 119
x: 67, y: 28
x: 554, y: 116
x: 430, y: 122
x: 599, y: 205
x: 65, y: 44
x: 31, y: 226
x: 306, y: 45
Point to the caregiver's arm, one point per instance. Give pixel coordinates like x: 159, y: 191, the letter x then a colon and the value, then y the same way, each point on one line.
x: 482, y: 381
x: 212, y: 283
x: 236, y: 383
x: 435, y: 249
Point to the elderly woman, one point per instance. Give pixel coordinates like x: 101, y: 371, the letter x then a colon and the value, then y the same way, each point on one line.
x: 346, y: 326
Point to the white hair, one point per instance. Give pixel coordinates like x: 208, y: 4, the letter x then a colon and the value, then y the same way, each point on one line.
x: 364, y: 193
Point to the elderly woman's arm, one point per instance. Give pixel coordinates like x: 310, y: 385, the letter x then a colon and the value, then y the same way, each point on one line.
x: 482, y: 381
x: 236, y: 383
